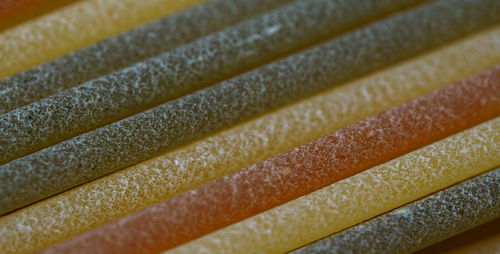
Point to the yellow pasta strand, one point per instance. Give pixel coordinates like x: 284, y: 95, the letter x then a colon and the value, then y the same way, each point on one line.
x: 32, y: 10
x: 360, y: 197
x: 76, y: 26
x: 127, y: 191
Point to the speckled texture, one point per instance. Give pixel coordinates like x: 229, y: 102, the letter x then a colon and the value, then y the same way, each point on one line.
x: 180, y: 71
x: 301, y: 170
x: 421, y: 223
x: 484, y: 239
x: 74, y: 27
x: 125, y: 49
x: 359, y: 197
x: 129, y: 190
x: 129, y: 141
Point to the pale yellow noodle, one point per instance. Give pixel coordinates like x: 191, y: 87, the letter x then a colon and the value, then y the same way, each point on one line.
x: 359, y: 197
x: 124, y: 192
x: 76, y: 26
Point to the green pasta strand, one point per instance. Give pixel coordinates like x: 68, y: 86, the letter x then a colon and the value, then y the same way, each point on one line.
x: 131, y: 140
x: 127, y: 48
x: 180, y: 71
x: 421, y: 223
